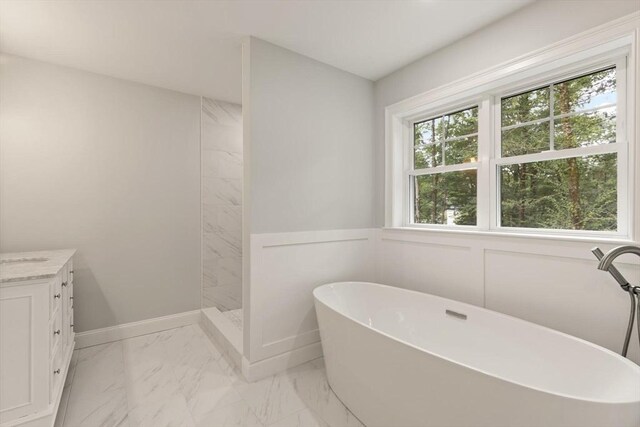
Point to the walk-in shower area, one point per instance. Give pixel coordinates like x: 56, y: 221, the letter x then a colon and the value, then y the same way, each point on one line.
x: 221, y: 173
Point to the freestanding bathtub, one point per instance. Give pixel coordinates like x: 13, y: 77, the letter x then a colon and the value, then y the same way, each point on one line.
x: 403, y: 358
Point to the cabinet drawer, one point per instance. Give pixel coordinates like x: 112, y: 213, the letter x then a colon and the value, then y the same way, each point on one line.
x: 56, y: 330
x: 57, y: 372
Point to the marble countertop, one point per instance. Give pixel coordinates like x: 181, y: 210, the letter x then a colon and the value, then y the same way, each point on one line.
x: 20, y: 266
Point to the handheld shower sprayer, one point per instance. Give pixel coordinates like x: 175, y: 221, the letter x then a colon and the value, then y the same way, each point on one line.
x: 606, y: 264
x: 624, y: 284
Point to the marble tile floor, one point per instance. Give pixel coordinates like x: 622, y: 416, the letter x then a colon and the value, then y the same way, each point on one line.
x: 179, y: 378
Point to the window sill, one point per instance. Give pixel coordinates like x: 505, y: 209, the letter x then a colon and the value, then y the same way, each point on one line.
x: 516, y: 235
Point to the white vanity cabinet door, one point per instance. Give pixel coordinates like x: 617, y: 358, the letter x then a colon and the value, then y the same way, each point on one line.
x: 57, y: 371
x: 24, y: 349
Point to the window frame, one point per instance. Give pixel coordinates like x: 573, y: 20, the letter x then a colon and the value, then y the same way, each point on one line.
x: 487, y: 97
x: 413, y: 172
x: 620, y: 147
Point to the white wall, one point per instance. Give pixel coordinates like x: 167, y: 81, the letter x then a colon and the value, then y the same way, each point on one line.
x: 111, y: 168
x: 533, y: 27
x: 308, y: 151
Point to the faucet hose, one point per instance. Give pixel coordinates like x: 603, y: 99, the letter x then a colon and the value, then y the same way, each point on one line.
x: 636, y: 290
x: 632, y: 314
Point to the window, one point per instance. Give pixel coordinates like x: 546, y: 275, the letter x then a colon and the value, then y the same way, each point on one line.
x: 558, y: 161
x: 545, y: 153
x: 445, y: 151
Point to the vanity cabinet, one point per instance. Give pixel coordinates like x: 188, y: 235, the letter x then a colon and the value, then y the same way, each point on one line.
x: 36, y: 335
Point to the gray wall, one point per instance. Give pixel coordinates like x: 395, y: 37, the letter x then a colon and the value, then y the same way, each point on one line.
x: 111, y: 168
x: 533, y: 27
x: 310, y: 141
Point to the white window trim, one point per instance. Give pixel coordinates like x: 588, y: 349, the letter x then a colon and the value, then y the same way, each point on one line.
x: 577, y: 55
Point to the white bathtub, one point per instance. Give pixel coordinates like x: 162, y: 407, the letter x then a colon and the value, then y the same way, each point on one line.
x: 396, y: 358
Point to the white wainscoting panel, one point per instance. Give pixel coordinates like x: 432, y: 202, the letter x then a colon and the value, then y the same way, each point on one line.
x: 552, y: 282
x: 285, y: 268
x: 563, y: 293
x: 447, y: 267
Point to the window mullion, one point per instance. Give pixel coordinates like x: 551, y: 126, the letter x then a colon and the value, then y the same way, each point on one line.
x: 495, y: 153
x: 484, y: 153
x: 558, y: 116
x: 523, y: 124
x: 625, y: 171
x: 552, y: 126
x: 585, y: 111
x: 560, y: 154
x: 445, y: 168
x: 444, y: 135
x: 457, y: 138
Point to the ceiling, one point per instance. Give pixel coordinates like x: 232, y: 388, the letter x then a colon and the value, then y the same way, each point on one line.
x: 195, y: 46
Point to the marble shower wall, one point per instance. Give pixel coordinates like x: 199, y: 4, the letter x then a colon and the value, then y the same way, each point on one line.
x: 221, y: 204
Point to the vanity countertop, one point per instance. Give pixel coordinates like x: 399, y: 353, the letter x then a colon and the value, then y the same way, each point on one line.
x: 20, y: 266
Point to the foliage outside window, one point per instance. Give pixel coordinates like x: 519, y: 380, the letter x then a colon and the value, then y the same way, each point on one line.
x: 573, y: 193
x: 555, y: 160
x: 443, y: 192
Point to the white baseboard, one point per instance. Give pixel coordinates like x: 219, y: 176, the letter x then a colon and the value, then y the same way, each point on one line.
x: 134, y: 329
x: 264, y: 368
